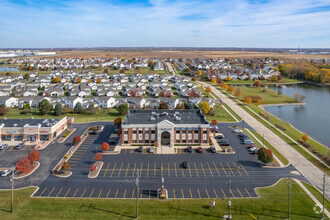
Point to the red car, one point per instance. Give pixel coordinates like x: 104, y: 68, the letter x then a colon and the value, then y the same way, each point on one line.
x: 252, y: 146
x: 200, y: 150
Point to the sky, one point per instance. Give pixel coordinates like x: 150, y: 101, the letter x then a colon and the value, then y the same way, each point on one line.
x: 165, y: 23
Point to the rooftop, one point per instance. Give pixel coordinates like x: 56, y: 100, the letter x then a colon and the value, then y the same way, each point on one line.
x: 193, y: 116
x: 31, y: 122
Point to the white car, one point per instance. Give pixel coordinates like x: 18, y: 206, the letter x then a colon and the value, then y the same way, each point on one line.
x: 3, y: 146
x: 237, y: 130
x: 6, y: 173
x: 151, y: 150
x: 253, y: 149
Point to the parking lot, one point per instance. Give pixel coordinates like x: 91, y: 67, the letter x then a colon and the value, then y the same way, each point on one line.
x: 206, y: 176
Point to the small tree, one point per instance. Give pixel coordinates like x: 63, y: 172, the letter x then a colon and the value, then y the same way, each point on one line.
x: 214, y: 122
x: 24, y: 165
x: 117, y: 121
x: 76, y: 139
x: 256, y: 83
x: 208, y: 90
x: 204, y: 107
x: 228, y: 78
x: 78, y: 108
x: 214, y: 80
x: 248, y: 100
x: 58, y: 110
x: 34, y: 155
x: 231, y: 88
x: 304, y: 137
x: 122, y: 109
x: 98, y: 156
x: 163, y: 105
x: 180, y: 106
x: 3, y: 109
x: 199, y: 73
x: 78, y: 80
x: 265, y: 155
x: 66, y: 166
x: 99, y: 80
x: 238, y: 92
x: 224, y: 85
x: 105, y: 146
x: 56, y: 79
x: 92, y: 168
x: 193, y: 79
x: 45, y: 107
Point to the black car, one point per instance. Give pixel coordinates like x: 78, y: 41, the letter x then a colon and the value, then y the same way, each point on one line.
x: 19, y: 146
x: 93, y: 132
x: 140, y: 149
x: 213, y: 150
x: 224, y: 142
x: 219, y: 136
x: 112, y: 141
x: 184, y: 165
x: 189, y: 149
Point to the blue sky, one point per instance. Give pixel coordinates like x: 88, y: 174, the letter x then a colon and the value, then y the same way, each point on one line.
x: 164, y: 23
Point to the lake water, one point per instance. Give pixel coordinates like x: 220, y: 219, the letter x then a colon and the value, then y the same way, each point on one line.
x: 9, y: 69
x: 313, y: 118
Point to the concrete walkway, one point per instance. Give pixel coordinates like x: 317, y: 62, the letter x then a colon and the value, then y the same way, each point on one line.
x: 303, y: 165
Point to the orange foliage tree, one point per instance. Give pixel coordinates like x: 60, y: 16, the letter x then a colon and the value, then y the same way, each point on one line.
x: 34, y: 155
x: 92, y: 168
x: 208, y: 90
x: 214, y: 122
x: 98, y: 156
x: 231, y: 88
x: 24, y: 165
x: 105, y: 146
x: 248, y: 100
x: 57, y: 79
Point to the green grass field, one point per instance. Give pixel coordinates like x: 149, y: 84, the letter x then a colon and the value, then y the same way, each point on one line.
x: 272, y: 204
x: 220, y: 115
x: 101, y: 115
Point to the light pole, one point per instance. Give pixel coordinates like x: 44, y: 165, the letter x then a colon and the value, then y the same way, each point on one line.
x: 137, y: 193
x: 229, y: 202
x: 12, y: 189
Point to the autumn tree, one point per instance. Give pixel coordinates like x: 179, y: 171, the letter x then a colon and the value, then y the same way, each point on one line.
x: 208, y: 90
x: 105, y: 146
x: 180, y: 106
x: 76, y: 140
x: 231, y: 89
x: 98, y: 156
x: 99, y: 80
x: 78, y: 80
x: 238, y: 92
x: 92, y: 168
x: 117, y: 121
x: 224, y: 85
x: 122, y: 70
x: 228, y: 78
x: 66, y: 166
x: 214, y: 122
x: 204, y: 107
x: 89, y: 80
x: 163, y: 105
x: 199, y: 73
x: 24, y: 165
x: 106, y: 71
x: 265, y: 155
x: 155, y: 144
x: 214, y: 80
x: 256, y: 83
x: 56, y: 79
x: 26, y: 76
x: 248, y: 100
x: 34, y: 155
x: 193, y: 79
x: 304, y: 137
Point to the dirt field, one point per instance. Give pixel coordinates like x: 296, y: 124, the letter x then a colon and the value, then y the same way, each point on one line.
x: 184, y: 54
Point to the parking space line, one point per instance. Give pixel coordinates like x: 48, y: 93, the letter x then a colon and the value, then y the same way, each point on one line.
x: 124, y: 194
x: 196, y: 170
x: 108, y: 193
x: 91, y: 193
x: 113, y: 169
x: 203, y: 170
x: 232, y: 193
x: 168, y: 170
x: 133, y: 194
x: 182, y: 193
x: 67, y: 192
x: 120, y: 169
x: 230, y: 169
x: 51, y: 192
x: 237, y: 169
x: 106, y: 169
x: 248, y: 192
x: 100, y: 193
x: 207, y: 193
x: 125, y: 151
x: 42, y: 191
x: 215, y: 193
x: 148, y: 170
x: 155, y: 170
x: 127, y: 169
x: 209, y: 168
x: 199, y: 193
x: 190, y: 193
x: 176, y: 174
x: 174, y: 193
x: 134, y: 170
x: 83, y: 193
x: 162, y: 170
x: 189, y: 169
x: 75, y: 193
x: 141, y: 169
x: 216, y: 168
x: 149, y: 193
x: 116, y: 194
x: 240, y: 192
x: 224, y: 193
x: 223, y: 169
x: 141, y: 193
x: 59, y: 192
x: 245, y: 170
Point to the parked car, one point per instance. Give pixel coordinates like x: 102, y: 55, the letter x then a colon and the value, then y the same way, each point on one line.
x: 19, y: 146
x: 140, y: 149
x: 253, y: 150
x: 243, y: 136
x: 251, y: 146
x: 184, y: 165
x: 189, y: 149
x: 112, y: 141
x: 116, y: 130
x: 151, y: 150
x: 93, y: 132
x: 248, y: 141
x: 237, y: 130
x: 214, y: 129
x: 224, y: 142
x: 6, y: 173
x: 17, y: 172
x: 3, y: 146
x: 220, y: 136
x: 212, y: 149
x: 200, y: 150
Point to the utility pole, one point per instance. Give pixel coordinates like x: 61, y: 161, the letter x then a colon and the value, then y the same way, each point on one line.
x: 137, y: 193
x: 289, y: 198
x: 12, y: 189
x: 323, y: 196
x: 229, y: 202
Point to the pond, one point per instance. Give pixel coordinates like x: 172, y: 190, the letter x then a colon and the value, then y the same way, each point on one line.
x: 9, y: 69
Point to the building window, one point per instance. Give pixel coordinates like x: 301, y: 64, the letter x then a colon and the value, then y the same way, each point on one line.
x: 44, y: 137
x: 126, y: 142
x: 125, y: 131
x: 190, y: 131
x: 134, y: 141
x: 204, y: 141
x: 140, y: 131
x: 134, y: 131
x: 205, y: 132
x: 6, y: 137
x: 140, y: 141
x: 177, y: 131
x: 153, y: 131
x: 177, y: 141
x: 18, y: 138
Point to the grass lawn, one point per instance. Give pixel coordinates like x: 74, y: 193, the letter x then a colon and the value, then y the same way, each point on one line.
x: 232, y: 112
x: 101, y: 115
x: 271, y: 205
x: 317, y: 194
x: 220, y: 115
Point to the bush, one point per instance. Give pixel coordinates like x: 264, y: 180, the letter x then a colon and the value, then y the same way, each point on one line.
x: 93, y: 168
x: 76, y: 139
x: 98, y: 156
x: 67, y: 133
x: 66, y: 166
x: 66, y: 156
x: 265, y: 155
x: 117, y: 121
x: 25, y: 112
x: 34, y: 155
x: 105, y: 146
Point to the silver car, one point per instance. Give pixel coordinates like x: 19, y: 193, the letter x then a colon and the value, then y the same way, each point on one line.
x: 3, y: 146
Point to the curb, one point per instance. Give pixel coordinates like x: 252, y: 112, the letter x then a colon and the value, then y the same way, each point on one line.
x: 28, y: 174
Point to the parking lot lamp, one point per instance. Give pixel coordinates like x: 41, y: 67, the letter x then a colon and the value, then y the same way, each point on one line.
x: 12, y: 189
x: 229, y: 202
x: 137, y: 193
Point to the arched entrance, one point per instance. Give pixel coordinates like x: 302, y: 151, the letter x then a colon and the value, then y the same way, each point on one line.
x: 165, y: 138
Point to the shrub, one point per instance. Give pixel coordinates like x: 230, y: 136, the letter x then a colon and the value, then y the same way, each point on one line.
x: 304, y: 137
x: 98, y: 156
x: 66, y: 156
x: 265, y: 155
x: 66, y: 166
x: 93, y: 168
x: 25, y: 112
x: 105, y: 146
x: 24, y: 165
x: 34, y: 155
x: 76, y: 139
x: 67, y: 133
x: 117, y: 121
